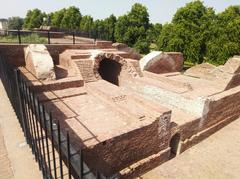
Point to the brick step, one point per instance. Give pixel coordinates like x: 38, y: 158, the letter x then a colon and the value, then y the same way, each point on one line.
x: 119, y: 99
x: 81, y: 56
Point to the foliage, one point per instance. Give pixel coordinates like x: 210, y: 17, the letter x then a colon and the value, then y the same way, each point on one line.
x: 33, y: 19
x: 195, y: 30
x: 201, y: 35
x: 86, y: 23
x: 71, y: 18
x: 99, y: 29
x: 188, y: 31
x: 110, y: 27
x: 142, y: 46
x: 224, y: 41
x: 15, y: 23
x: 133, y: 26
x: 56, y: 17
x: 153, y: 32
x: 104, y: 29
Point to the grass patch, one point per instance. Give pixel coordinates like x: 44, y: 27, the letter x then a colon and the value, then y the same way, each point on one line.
x: 32, y: 38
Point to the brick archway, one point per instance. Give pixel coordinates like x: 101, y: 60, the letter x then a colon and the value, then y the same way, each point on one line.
x: 107, y: 56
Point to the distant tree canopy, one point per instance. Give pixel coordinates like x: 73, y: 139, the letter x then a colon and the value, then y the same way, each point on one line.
x: 132, y: 27
x: 224, y: 39
x: 56, y: 17
x: 104, y: 29
x: 153, y: 32
x: 15, y: 23
x: 195, y: 30
x: 71, y: 18
x: 34, y: 19
x: 86, y: 23
x: 201, y: 35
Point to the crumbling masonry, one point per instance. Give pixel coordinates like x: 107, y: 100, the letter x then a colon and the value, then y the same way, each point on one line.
x: 130, y: 115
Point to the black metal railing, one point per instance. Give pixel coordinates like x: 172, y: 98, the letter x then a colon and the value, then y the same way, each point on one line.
x: 58, y: 36
x: 52, y: 149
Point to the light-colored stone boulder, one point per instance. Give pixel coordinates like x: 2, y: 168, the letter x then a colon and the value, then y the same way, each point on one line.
x: 39, y: 62
x: 162, y: 62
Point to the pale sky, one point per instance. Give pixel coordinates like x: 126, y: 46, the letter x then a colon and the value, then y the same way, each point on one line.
x: 160, y: 11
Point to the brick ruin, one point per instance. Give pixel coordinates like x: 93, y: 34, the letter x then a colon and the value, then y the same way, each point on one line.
x: 128, y: 114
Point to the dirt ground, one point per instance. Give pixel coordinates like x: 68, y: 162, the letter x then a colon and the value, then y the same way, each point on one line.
x: 16, y: 158
x: 69, y: 40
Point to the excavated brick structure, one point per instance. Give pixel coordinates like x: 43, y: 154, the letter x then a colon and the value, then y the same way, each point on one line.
x: 128, y: 120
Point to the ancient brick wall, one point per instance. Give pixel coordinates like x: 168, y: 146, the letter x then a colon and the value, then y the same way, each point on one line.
x: 222, y: 106
x: 15, y: 52
x: 138, y: 143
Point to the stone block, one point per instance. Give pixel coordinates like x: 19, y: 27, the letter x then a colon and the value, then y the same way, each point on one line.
x: 161, y: 62
x: 232, y: 65
x: 119, y: 45
x: 39, y: 62
x: 104, y: 44
x: 203, y: 70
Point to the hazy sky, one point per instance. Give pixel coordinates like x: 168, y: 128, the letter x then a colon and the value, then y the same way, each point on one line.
x: 159, y: 10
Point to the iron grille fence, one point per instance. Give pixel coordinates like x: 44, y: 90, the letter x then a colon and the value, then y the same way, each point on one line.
x: 48, y: 36
x: 51, y: 147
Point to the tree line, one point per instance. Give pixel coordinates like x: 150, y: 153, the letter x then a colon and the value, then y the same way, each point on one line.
x: 196, y: 30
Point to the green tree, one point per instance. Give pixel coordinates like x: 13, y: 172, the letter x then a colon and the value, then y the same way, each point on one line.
x: 188, y: 31
x: 56, y: 17
x: 33, y: 19
x: 121, y: 29
x: 99, y: 29
x: 154, y: 32
x: 15, y: 23
x: 104, y: 29
x: 110, y: 27
x: 132, y: 27
x: 71, y: 18
x: 86, y: 23
x: 224, y: 40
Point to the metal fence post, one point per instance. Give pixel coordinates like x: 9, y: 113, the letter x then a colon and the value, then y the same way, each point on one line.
x: 46, y: 138
x: 20, y: 104
x: 59, y: 149
x: 53, y: 150
x: 19, y: 36
x: 68, y: 156
x: 40, y: 119
x: 49, y: 37
x: 73, y: 37
x: 34, y: 114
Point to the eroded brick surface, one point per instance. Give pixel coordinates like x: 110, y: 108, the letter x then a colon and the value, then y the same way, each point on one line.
x: 129, y: 120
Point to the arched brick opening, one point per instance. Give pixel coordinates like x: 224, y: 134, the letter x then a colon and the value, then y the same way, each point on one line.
x: 174, y: 143
x: 110, y: 70
x: 108, y: 66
